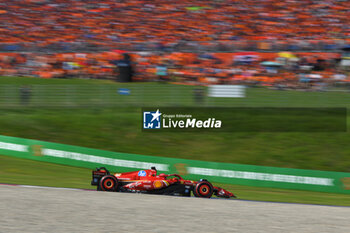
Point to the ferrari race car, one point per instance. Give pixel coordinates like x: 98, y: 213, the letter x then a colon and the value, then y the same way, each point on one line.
x: 147, y: 181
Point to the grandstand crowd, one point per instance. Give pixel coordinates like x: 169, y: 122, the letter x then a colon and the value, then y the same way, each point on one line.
x: 293, y: 70
x: 161, y: 25
x: 164, y: 21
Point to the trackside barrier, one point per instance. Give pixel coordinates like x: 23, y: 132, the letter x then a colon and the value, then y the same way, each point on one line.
x: 259, y: 176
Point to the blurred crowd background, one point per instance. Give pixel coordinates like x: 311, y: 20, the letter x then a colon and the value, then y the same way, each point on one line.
x: 293, y: 44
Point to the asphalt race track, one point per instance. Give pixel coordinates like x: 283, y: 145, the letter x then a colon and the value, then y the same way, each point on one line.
x: 34, y: 209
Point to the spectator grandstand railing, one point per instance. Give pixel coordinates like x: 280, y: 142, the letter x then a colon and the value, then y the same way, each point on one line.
x: 158, y: 95
x: 184, y: 46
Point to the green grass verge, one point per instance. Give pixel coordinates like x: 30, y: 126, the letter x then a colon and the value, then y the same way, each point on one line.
x: 119, y: 129
x: 28, y: 172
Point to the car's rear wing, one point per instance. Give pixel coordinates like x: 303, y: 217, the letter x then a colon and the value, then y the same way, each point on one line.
x: 98, y: 174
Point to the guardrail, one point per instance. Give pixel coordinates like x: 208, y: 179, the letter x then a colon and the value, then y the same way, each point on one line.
x: 259, y: 176
x: 152, y: 94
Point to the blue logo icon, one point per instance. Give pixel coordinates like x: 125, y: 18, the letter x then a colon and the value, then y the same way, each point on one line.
x: 124, y: 91
x: 141, y: 173
x: 151, y: 120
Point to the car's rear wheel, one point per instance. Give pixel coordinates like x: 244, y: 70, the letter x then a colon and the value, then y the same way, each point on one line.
x: 203, y: 189
x: 108, y: 183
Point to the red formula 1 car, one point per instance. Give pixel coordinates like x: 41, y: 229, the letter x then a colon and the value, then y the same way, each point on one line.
x: 147, y: 181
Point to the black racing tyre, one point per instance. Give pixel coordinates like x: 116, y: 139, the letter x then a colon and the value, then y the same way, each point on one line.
x: 108, y: 183
x: 203, y: 189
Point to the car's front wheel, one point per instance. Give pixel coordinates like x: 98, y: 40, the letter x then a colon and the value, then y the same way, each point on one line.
x: 203, y: 189
x: 108, y: 183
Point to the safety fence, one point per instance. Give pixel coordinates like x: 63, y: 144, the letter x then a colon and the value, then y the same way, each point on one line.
x: 258, y: 176
x: 154, y: 94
